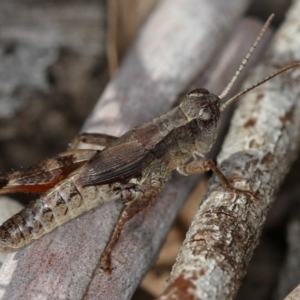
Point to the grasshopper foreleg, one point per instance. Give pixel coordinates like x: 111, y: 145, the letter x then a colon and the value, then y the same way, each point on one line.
x: 205, y: 164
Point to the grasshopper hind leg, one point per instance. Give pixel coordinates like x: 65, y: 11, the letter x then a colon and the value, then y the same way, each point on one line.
x: 44, y: 175
x: 137, y: 196
x: 127, y: 213
x: 99, y: 139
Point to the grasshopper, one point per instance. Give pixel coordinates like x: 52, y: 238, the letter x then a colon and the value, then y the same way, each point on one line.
x: 132, y: 168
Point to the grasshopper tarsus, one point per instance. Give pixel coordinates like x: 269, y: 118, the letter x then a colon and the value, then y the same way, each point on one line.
x: 240, y: 192
x: 227, y: 185
x: 105, y: 262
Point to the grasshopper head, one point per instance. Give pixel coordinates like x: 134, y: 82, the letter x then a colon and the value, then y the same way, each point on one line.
x: 201, y: 105
x: 202, y: 109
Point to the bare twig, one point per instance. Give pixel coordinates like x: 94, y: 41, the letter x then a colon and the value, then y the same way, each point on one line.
x: 258, y: 152
x: 215, y: 79
x: 161, y: 64
x: 125, y: 17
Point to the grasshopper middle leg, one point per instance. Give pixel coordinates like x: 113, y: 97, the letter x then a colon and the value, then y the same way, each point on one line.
x: 203, y: 165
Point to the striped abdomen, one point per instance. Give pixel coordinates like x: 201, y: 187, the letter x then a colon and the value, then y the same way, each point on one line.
x: 65, y: 201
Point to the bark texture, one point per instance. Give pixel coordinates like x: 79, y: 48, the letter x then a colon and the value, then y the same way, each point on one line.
x: 32, y: 36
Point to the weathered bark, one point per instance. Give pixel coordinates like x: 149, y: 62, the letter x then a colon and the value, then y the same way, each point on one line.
x: 158, y: 68
x: 32, y: 36
x: 52, y: 58
x: 122, y: 29
x: 262, y: 144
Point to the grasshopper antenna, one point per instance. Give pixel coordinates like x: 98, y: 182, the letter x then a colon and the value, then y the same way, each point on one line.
x: 283, y: 69
x: 244, y: 62
x: 248, y: 55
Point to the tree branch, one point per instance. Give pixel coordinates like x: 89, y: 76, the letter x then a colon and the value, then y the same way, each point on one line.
x: 262, y: 144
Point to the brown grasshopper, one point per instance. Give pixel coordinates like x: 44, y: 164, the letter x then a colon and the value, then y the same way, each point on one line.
x: 132, y: 168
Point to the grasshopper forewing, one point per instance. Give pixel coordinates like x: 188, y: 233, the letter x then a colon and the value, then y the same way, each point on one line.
x: 132, y: 168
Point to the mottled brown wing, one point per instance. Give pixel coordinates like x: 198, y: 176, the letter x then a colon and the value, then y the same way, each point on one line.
x: 40, y: 177
x: 122, y: 160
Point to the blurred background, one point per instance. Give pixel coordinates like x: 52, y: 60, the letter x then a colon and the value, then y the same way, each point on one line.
x: 55, y: 60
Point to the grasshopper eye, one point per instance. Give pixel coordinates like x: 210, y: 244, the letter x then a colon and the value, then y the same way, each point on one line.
x: 205, y: 113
